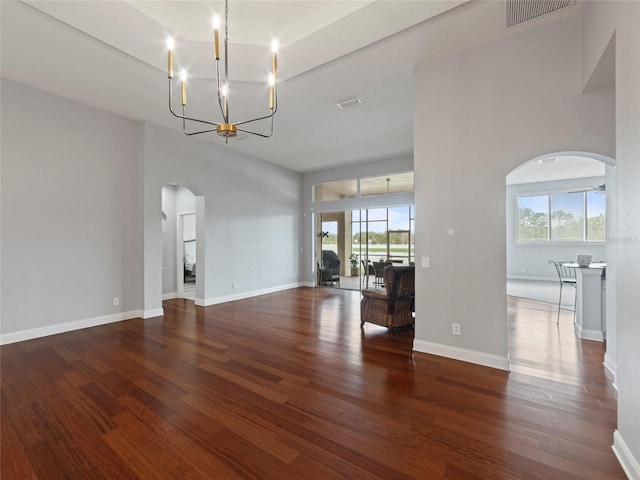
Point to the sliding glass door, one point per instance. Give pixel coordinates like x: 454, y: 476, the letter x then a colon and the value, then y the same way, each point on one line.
x: 349, y: 242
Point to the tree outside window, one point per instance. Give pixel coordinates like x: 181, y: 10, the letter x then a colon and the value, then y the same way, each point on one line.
x: 562, y: 217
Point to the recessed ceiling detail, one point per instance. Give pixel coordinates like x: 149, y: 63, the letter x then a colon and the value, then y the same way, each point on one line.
x: 520, y: 11
x: 333, y: 53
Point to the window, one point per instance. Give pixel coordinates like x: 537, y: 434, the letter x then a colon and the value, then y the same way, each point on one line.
x: 395, y: 183
x: 533, y: 218
x: 384, y: 233
x: 335, y: 190
x: 564, y: 217
x: 596, y: 216
x: 380, y: 185
x: 567, y: 217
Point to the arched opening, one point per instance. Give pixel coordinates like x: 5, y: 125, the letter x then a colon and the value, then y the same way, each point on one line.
x: 183, y: 272
x: 560, y: 205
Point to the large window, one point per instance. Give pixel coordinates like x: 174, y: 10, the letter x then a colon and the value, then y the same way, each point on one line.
x: 566, y: 217
x: 384, y: 233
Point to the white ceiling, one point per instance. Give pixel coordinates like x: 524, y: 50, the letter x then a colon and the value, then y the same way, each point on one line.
x: 252, y: 22
x: 562, y: 167
x: 111, y: 55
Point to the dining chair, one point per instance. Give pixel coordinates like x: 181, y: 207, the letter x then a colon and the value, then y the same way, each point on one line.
x: 566, y: 275
x: 378, y: 268
x: 367, y: 269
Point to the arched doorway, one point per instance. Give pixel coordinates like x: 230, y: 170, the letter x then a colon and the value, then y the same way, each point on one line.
x: 560, y: 205
x: 182, y: 243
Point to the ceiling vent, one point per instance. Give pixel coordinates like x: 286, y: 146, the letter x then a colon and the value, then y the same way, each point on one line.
x: 349, y: 103
x: 521, y: 11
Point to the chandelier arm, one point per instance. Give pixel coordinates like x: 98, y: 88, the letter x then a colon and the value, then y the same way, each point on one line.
x: 255, y: 119
x: 259, y: 134
x: 255, y: 133
x: 171, y: 98
x: 183, y: 117
x: 198, y: 133
x: 225, y: 112
x: 219, y: 96
x: 184, y: 126
x: 275, y: 109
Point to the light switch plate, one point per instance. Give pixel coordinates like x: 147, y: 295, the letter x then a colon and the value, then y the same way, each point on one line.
x: 425, y: 262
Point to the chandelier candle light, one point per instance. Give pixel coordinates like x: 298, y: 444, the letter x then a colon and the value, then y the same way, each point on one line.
x: 226, y: 128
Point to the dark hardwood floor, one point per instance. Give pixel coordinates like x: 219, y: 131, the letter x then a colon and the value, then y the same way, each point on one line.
x: 287, y: 386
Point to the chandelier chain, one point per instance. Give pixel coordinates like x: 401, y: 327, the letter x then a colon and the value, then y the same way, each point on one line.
x: 226, y: 22
x: 225, y: 111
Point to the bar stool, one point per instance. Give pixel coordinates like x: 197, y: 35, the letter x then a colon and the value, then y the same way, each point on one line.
x: 565, y: 275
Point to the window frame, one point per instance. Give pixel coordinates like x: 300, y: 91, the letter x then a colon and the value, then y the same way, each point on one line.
x: 359, y: 194
x: 549, y: 194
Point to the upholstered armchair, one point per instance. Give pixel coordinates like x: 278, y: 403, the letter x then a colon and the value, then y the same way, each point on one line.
x: 392, y: 308
x: 326, y: 275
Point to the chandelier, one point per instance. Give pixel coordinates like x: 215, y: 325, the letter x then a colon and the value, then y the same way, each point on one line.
x: 226, y: 128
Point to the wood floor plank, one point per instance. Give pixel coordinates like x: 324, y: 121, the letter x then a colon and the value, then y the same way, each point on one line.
x: 58, y: 450
x: 148, y: 455
x: 15, y: 463
x: 288, y: 386
x: 86, y: 426
x: 246, y: 428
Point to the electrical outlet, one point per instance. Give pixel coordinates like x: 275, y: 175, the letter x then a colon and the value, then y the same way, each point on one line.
x: 116, y: 301
x: 234, y: 285
x: 455, y: 328
x: 425, y: 262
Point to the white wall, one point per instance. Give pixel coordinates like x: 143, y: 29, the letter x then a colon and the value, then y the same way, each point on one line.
x: 477, y: 117
x: 169, y: 247
x: 185, y: 203
x: 601, y: 20
x: 250, y: 233
x: 610, y: 358
x: 71, y: 214
x: 80, y: 224
x: 532, y: 261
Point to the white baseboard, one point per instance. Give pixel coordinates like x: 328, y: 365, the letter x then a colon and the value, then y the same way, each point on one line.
x: 584, y: 334
x: 67, y: 327
x: 629, y: 463
x: 32, y: 333
x: 471, y: 356
x: 611, y: 365
x: 537, y: 279
x: 243, y: 295
x: 158, y: 312
x: 169, y: 296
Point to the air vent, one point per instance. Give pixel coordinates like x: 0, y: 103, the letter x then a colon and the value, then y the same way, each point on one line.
x: 520, y: 11
x: 349, y: 103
